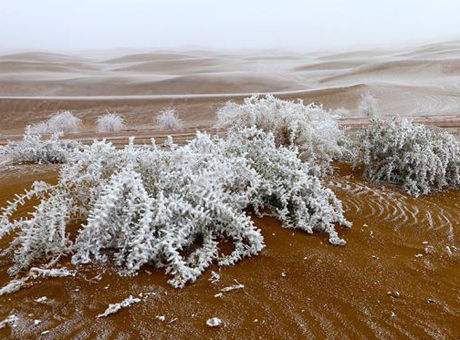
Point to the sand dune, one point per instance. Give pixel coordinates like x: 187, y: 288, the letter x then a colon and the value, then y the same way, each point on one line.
x: 132, y: 58
x: 420, y: 80
x: 188, y: 65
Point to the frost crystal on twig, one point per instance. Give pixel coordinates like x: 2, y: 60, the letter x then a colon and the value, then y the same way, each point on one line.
x: 10, y: 320
x: 12, y: 287
x: 115, y: 307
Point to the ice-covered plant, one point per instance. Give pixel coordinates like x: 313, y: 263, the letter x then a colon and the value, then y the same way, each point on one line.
x: 368, y: 105
x: 168, y: 207
x: 286, y: 189
x: 61, y: 122
x: 420, y: 159
x: 110, y: 122
x: 168, y: 120
x: 314, y: 130
x: 35, y: 149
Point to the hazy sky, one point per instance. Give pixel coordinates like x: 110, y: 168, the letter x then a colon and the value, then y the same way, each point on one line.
x: 307, y: 24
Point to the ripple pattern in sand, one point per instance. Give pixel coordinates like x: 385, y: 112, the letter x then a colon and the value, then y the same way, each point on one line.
x: 439, y: 212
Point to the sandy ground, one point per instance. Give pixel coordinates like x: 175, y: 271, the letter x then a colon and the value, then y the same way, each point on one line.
x: 385, y: 283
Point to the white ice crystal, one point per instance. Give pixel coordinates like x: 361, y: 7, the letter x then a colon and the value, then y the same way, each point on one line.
x: 420, y: 159
x: 115, y: 307
x: 61, y: 122
x: 41, y: 299
x: 169, y: 207
x: 55, y: 272
x: 232, y: 287
x: 214, y: 322
x: 368, y: 105
x: 110, y: 122
x: 311, y: 128
x: 35, y: 149
x: 168, y: 120
x: 10, y: 320
x: 215, y: 277
x: 12, y: 287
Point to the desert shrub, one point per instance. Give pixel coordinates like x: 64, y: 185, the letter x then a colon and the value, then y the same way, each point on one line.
x: 168, y: 119
x: 34, y: 149
x: 311, y: 128
x: 110, y: 122
x: 368, y: 105
x: 61, y: 122
x: 169, y: 206
x: 418, y: 158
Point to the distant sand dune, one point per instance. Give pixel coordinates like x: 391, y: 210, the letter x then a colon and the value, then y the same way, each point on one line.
x: 179, y: 66
x: 418, y: 81
x: 133, y: 58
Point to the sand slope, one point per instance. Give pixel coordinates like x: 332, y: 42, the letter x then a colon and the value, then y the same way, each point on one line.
x: 421, y: 80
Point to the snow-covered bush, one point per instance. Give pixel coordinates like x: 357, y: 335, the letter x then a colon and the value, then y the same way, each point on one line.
x: 34, y: 149
x: 169, y: 207
x: 368, y: 106
x: 61, y: 122
x: 168, y: 120
x: 420, y: 159
x: 110, y: 122
x: 311, y: 128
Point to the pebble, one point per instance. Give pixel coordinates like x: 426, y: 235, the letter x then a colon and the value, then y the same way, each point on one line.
x: 394, y: 294
x: 214, y: 322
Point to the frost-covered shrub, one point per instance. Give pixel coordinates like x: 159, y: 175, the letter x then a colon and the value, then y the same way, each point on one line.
x: 169, y: 207
x: 287, y: 188
x: 110, y: 122
x: 168, y: 120
x: 420, y: 159
x: 61, y: 122
x: 34, y: 149
x: 311, y: 128
x: 368, y: 106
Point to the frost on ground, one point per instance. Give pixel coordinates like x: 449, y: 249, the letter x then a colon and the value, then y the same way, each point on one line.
x: 55, y: 272
x: 214, y: 322
x: 420, y: 159
x: 12, y: 287
x: 152, y: 205
x: 10, y: 320
x: 227, y: 289
x: 15, y: 285
x: 115, y: 307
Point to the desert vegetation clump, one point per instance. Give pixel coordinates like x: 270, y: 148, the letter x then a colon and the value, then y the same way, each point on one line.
x: 368, y: 106
x: 168, y: 120
x: 110, y: 122
x: 420, y: 159
x: 168, y: 206
x: 33, y: 148
x: 310, y: 128
x: 61, y: 122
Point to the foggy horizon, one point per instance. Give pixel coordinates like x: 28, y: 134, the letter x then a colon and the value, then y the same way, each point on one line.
x: 67, y: 26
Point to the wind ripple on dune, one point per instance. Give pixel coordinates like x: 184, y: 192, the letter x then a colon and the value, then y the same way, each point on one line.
x: 391, y: 205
